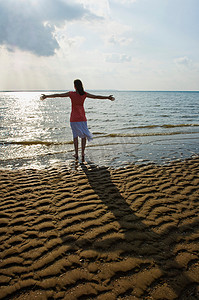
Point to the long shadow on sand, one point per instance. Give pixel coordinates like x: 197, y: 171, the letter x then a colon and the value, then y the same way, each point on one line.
x: 139, y: 241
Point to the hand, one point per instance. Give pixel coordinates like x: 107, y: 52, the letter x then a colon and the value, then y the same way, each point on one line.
x: 43, y: 96
x: 111, y: 98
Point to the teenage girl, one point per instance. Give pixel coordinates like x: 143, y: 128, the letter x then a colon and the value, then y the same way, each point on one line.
x: 78, y: 119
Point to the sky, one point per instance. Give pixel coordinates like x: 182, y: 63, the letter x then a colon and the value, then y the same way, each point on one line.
x: 108, y: 44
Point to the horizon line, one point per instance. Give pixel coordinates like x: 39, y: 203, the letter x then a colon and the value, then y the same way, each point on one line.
x: 103, y: 90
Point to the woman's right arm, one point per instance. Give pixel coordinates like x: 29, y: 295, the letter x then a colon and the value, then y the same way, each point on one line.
x: 54, y: 95
x: 110, y: 97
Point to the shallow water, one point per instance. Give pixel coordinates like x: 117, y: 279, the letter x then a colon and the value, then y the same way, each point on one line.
x: 137, y: 127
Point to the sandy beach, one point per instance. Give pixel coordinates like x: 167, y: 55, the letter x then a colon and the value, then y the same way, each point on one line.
x: 100, y: 233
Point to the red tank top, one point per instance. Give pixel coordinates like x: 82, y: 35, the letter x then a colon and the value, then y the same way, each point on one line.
x: 78, y: 112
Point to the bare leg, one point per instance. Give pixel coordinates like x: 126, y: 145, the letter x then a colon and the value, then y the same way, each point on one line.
x: 83, y: 147
x: 76, y: 147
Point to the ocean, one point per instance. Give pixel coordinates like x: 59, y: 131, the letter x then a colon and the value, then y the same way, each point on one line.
x: 138, y: 127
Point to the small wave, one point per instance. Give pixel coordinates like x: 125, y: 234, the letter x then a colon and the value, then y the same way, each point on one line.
x: 148, y: 126
x: 97, y: 133
x: 113, y: 135
x: 30, y: 143
x: 168, y: 126
x: 179, y: 125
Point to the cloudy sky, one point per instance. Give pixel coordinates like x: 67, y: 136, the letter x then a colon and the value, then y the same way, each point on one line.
x: 109, y: 44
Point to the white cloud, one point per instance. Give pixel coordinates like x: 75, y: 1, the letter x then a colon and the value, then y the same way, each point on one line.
x: 121, y: 40
x: 125, y: 1
x: 69, y: 45
x: 118, y: 58
x: 114, y: 33
x: 183, y: 61
x: 30, y: 25
x: 99, y: 8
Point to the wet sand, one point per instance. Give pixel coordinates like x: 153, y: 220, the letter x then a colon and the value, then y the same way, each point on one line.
x: 99, y: 233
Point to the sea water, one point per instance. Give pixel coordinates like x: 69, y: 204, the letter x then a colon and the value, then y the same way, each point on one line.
x: 138, y: 127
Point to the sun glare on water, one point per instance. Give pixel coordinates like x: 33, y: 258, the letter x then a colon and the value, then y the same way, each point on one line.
x: 26, y: 114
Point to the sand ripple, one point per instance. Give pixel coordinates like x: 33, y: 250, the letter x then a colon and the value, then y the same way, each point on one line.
x: 95, y: 233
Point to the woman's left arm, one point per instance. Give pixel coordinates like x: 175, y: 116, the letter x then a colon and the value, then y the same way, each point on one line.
x: 54, y: 95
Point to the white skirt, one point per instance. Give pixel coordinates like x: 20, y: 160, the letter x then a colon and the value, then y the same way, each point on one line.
x: 80, y: 129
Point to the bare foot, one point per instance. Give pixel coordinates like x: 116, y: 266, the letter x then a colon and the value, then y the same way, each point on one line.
x: 75, y: 156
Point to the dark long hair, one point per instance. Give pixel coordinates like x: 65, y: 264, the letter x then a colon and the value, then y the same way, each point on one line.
x: 79, y: 86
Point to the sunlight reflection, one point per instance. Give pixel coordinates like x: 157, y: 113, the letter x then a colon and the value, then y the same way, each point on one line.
x: 25, y: 116
x: 27, y: 99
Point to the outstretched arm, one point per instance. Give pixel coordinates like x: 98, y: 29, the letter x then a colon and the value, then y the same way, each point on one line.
x: 110, y: 97
x: 54, y: 95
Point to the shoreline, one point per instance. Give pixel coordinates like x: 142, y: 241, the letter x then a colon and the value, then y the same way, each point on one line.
x: 71, y: 164
x: 99, y: 232
x: 113, y: 152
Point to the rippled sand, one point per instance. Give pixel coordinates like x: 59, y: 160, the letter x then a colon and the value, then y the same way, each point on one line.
x: 98, y: 233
